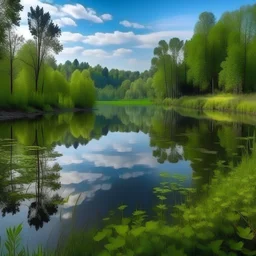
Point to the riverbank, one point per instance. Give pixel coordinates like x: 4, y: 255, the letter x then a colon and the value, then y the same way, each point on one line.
x: 6, y: 115
x: 242, y: 104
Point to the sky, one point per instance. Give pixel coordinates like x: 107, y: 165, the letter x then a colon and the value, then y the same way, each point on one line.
x: 122, y: 34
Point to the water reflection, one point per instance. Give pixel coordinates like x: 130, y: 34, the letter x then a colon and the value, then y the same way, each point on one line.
x: 95, y: 161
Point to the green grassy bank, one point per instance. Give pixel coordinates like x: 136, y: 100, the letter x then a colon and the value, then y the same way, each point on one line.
x: 140, y: 102
x: 245, y: 104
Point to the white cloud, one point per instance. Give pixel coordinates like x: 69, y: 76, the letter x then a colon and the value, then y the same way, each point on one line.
x: 72, y: 50
x: 98, y: 53
x: 121, y: 161
x: 129, y: 175
x: 106, y: 16
x: 65, y: 21
x: 74, y: 177
x: 149, y: 40
x: 114, y: 38
x: 78, y: 11
x: 66, y: 160
x: 121, y: 52
x: 129, y: 24
x: 121, y: 148
x: 71, y: 37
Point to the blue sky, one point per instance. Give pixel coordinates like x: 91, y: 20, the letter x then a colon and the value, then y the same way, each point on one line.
x: 122, y: 34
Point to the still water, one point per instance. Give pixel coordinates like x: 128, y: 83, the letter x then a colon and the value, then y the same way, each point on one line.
x: 72, y: 169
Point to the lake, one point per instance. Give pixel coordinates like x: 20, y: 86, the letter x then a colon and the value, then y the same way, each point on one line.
x: 70, y: 170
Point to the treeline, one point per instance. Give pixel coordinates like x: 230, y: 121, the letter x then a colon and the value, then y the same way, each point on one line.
x: 220, y: 57
x: 113, y: 84
x: 29, y: 78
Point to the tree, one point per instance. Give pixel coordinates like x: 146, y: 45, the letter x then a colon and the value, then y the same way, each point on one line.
x: 160, y: 53
x: 46, y: 35
x: 75, y: 64
x: 9, y: 16
x: 14, y: 42
x: 198, y: 59
x: 175, y: 46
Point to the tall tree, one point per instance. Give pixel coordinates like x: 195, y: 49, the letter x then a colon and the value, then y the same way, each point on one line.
x: 14, y: 43
x: 9, y: 16
x: 46, y: 35
x: 175, y: 46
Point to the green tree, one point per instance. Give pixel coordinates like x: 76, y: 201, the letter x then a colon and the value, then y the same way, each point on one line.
x: 175, y: 46
x: 46, y: 35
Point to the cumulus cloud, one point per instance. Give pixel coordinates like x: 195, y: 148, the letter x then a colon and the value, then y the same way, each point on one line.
x: 71, y: 37
x: 121, y: 161
x: 114, y: 38
x: 129, y: 175
x: 129, y: 24
x: 98, y: 53
x: 76, y: 11
x: 65, y: 21
x: 148, y: 40
x: 66, y: 160
x: 106, y: 16
x: 121, y: 148
x: 74, y: 177
x: 121, y: 52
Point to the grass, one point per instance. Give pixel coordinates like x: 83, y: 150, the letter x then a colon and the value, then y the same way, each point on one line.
x: 245, y: 104
x: 139, y: 102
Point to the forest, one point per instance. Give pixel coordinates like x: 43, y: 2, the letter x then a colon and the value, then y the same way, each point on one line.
x: 220, y: 57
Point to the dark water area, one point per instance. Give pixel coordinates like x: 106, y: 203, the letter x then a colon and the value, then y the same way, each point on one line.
x: 73, y: 168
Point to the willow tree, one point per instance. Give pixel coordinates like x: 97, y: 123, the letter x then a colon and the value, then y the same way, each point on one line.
x: 46, y: 35
x: 175, y: 46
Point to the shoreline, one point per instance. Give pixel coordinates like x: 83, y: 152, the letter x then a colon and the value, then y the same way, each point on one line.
x: 224, y: 103
x: 9, y: 115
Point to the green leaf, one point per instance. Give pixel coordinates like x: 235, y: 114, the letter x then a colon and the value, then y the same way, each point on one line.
x: 121, y: 229
x: 115, y: 243
x: 215, y: 245
x: 137, y: 231
x: 152, y: 225
x: 236, y: 246
x: 138, y: 213
x: 245, y: 233
x: 162, y: 207
x: 122, y: 207
x: 102, y: 234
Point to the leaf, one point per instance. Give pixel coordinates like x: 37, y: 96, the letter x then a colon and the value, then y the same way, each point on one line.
x: 215, y: 245
x: 162, y: 207
x: 121, y: 229
x: 152, y: 225
x: 115, y: 243
x: 245, y: 233
x: 138, y: 213
x: 137, y: 231
x: 248, y: 252
x: 122, y: 207
x: 102, y: 234
x: 236, y: 246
